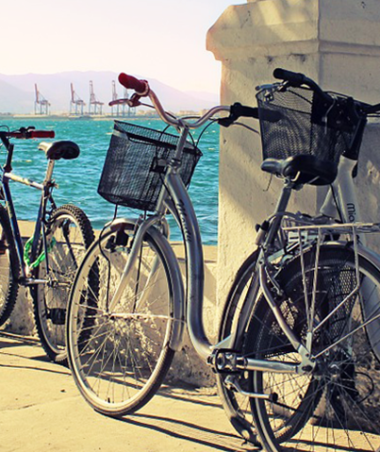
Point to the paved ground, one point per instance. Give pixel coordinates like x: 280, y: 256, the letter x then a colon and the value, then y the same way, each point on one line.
x: 41, y: 410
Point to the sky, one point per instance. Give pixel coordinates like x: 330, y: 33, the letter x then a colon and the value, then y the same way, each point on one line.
x: 160, y: 39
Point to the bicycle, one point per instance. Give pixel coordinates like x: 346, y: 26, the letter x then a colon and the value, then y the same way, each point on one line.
x: 121, y: 341
x: 48, y: 260
x: 330, y: 126
x: 148, y: 170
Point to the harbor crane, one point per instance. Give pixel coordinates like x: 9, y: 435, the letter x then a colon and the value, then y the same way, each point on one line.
x: 41, y: 105
x: 76, y: 103
x: 131, y: 111
x: 94, y: 102
x: 114, y: 97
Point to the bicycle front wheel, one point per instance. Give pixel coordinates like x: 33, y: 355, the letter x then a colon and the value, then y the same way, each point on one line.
x: 335, y: 405
x: 119, y: 353
x: 68, y: 236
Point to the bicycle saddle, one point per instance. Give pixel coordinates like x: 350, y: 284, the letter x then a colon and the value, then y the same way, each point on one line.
x: 302, y: 169
x: 66, y: 150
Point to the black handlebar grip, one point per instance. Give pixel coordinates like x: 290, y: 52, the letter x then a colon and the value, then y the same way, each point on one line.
x: 293, y: 77
x: 140, y: 86
x: 237, y: 110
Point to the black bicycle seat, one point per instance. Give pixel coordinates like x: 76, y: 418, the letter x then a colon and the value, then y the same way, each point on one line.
x: 302, y: 169
x: 67, y: 150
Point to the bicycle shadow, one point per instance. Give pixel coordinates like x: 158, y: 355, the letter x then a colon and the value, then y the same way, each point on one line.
x: 15, y: 340
x: 9, y: 347
x: 304, y: 446
x: 191, y: 432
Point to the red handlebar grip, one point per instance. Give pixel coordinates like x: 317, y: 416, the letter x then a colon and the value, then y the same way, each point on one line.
x: 140, y: 86
x: 42, y: 134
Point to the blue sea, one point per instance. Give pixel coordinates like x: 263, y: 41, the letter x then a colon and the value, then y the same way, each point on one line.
x: 78, y: 179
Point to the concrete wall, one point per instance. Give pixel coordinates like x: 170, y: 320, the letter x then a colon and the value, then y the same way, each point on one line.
x: 337, y: 43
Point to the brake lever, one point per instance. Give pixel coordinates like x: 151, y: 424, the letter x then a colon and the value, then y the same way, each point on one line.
x: 134, y: 101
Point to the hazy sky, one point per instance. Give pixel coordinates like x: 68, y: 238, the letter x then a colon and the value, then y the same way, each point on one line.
x: 162, y: 39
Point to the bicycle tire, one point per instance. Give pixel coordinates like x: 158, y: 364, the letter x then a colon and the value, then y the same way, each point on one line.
x: 237, y: 406
x: 9, y: 268
x: 68, y: 236
x: 337, y: 403
x: 120, y: 358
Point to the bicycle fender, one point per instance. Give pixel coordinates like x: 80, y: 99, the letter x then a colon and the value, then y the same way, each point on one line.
x: 363, y: 251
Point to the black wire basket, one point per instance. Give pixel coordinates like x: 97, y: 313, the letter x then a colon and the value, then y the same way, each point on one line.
x: 301, y: 121
x: 136, y: 162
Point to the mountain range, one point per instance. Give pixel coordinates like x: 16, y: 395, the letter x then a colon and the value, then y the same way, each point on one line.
x: 17, y: 92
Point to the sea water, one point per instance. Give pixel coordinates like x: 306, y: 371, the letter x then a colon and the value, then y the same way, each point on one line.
x: 78, y: 179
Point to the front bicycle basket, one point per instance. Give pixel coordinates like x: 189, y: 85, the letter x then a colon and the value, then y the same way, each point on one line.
x: 136, y: 163
x: 306, y: 123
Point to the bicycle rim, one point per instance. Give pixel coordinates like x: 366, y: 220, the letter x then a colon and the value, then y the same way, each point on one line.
x: 119, y: 357
x: 337, y: 405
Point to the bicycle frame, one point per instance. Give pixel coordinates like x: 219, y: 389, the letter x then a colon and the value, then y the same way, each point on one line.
x: 45, y: 189
x: 183, y: 211
x: 344, y: 190
x: 345, y: 196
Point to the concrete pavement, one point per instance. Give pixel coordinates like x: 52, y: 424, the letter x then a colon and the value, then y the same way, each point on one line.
x: 41, y: 410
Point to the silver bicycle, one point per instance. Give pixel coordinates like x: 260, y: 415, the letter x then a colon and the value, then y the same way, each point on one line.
x: 309, y: 295
x: 127, y: 311
x: 299, y: 345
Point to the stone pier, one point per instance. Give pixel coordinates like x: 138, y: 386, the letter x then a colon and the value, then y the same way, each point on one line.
x: 336, y: 43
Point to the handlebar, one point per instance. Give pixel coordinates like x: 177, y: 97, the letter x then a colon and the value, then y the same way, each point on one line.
x: 298, y: 79
x: 28, y: 133
x: 142, y: 89
x: 33, y: 134
x: 23, y: 133
x: 295, y: 78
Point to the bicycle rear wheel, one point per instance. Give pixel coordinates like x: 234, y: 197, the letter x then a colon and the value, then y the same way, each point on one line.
x: 120, y: 357
x: 68, y: 236
x: 337, y: 404
x: 9, y: 268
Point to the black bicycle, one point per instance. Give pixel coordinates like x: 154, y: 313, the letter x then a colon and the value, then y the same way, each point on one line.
x: 47, y: 262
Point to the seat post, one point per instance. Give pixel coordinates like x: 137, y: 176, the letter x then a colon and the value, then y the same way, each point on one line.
x: 49, y: 171
x: 282, y: 204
